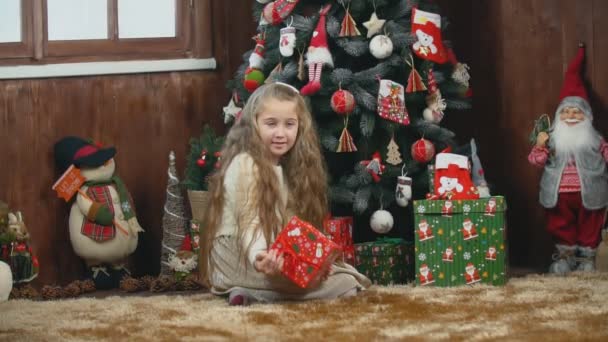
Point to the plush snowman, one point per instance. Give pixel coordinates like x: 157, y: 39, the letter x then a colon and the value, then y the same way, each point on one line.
x: 6, y: 281
x: 102, y: 224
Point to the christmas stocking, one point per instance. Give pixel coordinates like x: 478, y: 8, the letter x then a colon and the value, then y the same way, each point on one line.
x: 276, y: 11
x: 287, y: 41
x: 427, y: 28
x: 317, y: 55
x: 403, y: 192
x: 453, y: 177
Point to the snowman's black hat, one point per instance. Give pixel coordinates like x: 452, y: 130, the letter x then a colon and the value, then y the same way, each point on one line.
x: 81, y: 153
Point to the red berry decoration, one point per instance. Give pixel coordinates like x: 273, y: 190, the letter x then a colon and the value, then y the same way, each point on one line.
x: 343, y: 102
x: 423, y: 150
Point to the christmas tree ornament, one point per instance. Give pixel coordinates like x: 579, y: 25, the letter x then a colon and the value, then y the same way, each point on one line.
x: 479, y: 179
x: 403, y: 191
x: 426, y: 26
x: 381, y: 46
x: 275, y: 74
x: 381, y: 221
x: 232, y: 111
x: 414, y: 81
x: 393, y: 156
x: 346, y: 142
x: 276, y: 11
x: 391, y: 102
x: 202, y: 161
x: 423, y: 150
x: 218, y: 156
x: 287, y: 41
x: 175, y: 222
x: 374, y: 166
x: 460, y: 74
x: 263, y: 1
x: 349, y: 26
x: 453, y: 177
x: 301, y: 67
x: 373, y: 25
x: 254, y: 77
x: 317, y: 55
x: 342, y: 102
x: 434, y: 101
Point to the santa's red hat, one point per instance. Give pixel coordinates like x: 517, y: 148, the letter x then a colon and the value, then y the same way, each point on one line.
x: 573, y: 93
x: 319, y: 37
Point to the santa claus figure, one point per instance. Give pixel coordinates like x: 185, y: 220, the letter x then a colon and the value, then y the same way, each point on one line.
x: 425, y: 276
x: 491, y: 253
x: 424, y: 231
x: 448, y: 255
x: 471, y: 274
x: 447, y: 208
x: 574, y: 184
x: 490, y: 207
x: 468, y: 229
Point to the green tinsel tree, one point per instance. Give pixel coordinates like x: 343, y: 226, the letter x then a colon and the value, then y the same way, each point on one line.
x: 353, y: 188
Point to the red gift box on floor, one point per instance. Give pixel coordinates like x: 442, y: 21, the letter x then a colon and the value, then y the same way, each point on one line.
x: 306, y: 251
x: 340, y: 231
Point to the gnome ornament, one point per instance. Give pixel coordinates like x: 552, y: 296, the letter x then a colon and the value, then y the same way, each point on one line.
x: 427, y: 28
x: 374, y: 166
x: 184, y: 261
x: 254, y: 77
x: 102, y: 223
x: 287, y: 41
x: 434, y: 101
x: 317, y: 55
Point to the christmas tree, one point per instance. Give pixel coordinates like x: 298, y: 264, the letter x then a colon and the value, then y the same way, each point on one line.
x: 379, y: 78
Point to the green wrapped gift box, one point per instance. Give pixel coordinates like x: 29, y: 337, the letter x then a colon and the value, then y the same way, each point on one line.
x: 386, y: 261
x: 460, y: 242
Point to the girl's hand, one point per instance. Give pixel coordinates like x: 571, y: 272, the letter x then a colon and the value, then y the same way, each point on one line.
x: 269, y: 263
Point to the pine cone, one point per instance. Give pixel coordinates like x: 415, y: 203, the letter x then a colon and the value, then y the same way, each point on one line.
x: 52, y: 292
x: 15, y: 293
x: 146, y: 282
x: 129, y: 284
x: 29, y: 292
x: 87, y: 286
x: 72, y: 289
x: 189, y: 284
x: 162, y: 284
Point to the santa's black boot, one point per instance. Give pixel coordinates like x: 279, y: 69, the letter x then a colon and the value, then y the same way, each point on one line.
x: 564, y: 260
x: 586, y: 259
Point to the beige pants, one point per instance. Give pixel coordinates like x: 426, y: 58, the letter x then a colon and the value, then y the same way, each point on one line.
x: 230, y: 274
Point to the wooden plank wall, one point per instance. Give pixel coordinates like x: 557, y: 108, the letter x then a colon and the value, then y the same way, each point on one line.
x: 519, y: 51
x: 144, y: 116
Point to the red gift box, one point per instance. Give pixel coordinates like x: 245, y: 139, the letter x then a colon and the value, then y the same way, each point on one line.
x: 306, y: 251
x: 340, y: 231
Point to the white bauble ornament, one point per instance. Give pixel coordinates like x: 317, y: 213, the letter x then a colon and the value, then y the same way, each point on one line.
x: 6, y: 281
x: 381, y: 46
x: 381, y: 222
x: 263, y: 1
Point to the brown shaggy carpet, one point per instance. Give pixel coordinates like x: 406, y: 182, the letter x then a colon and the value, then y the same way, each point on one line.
x: 529, y: 308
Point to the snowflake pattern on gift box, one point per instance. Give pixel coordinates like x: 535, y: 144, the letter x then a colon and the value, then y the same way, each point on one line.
x: 466, y: 208
x: 467, y: 256
x: 421, y: 209
x: 422, y: 257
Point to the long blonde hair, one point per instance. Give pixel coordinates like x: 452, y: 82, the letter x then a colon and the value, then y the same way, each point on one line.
x: 303, y: 168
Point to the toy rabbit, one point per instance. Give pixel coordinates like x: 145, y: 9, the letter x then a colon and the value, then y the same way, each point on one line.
x: 17, y: 227
x: 102, y: 223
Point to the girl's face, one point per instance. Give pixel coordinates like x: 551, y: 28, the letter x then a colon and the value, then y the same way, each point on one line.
x: 278, y: 126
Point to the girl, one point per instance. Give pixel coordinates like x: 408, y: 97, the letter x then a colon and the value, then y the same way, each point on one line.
x: 271, y: 170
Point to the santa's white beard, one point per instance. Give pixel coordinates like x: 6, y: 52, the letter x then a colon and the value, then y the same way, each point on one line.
x: 570, y: 140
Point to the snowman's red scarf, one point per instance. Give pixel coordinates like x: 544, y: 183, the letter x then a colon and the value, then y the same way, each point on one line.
x: 97, y: 232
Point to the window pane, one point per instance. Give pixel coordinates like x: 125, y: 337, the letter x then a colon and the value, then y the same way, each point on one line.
x: 77, y: 19
x: 10, y: 21
x: 146, y: 18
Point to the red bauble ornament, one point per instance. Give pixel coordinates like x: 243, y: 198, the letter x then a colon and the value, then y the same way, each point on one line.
x: 423, y: 150
x: 343, y: 102
x: 201, y: 162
